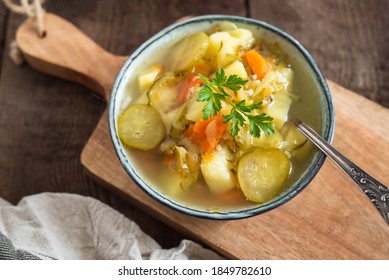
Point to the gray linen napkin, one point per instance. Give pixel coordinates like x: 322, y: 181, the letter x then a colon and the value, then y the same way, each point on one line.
x: 70, y: 226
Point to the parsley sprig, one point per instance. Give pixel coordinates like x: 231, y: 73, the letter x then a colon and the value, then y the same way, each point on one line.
x: 213, y: 93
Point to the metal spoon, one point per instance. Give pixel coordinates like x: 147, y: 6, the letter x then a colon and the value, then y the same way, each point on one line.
x: 376, y: 192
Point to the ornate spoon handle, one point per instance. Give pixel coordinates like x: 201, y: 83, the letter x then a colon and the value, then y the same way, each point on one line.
x: 376, y: 192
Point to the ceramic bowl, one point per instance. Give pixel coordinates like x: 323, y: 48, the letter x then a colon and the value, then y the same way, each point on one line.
x: 309, y: 74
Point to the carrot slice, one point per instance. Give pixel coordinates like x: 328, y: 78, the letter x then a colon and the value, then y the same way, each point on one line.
x: 188, y: 83
x: 257, y: 63
x: 201, y: 68
x: 206, y: 134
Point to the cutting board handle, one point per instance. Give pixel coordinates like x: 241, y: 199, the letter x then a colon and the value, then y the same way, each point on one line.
x: 68, y: 53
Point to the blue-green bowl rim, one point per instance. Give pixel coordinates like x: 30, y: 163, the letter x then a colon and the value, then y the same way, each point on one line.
x: 238, y: 214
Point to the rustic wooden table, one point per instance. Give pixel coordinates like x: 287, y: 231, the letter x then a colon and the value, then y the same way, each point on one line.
x: 45, y: 121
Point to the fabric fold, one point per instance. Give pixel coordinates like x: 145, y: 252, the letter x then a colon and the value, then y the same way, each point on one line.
x: 70, y: 226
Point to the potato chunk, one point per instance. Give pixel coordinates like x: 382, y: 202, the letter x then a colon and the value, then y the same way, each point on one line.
x: 216, y: 172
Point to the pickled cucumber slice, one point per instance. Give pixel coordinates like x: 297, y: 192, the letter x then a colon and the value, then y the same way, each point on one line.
x: 262, y: 174
x: 187, y: 165
x: 189, y: 51
x: 162, y: 94
x: 141, y: 127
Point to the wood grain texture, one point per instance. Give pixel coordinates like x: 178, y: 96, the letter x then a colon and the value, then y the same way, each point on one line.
x: 348, y: 39
x: 45, y: 122
x: 3, y: 26
x: 74, y: 57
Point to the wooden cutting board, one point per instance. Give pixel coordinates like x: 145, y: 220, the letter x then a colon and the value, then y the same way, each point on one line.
x: 330, y: 219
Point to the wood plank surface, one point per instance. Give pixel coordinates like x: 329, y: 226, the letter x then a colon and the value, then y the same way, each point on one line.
x: 3, y: 26
x: 347, y: 38
x: 45, y: 122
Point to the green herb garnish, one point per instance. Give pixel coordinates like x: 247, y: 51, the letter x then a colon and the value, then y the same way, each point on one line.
x: 213, y: 92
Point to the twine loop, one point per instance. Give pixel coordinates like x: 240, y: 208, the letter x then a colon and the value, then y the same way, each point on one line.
x: 31, y: 8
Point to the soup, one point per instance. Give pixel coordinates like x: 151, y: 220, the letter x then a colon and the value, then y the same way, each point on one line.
x: 205, y: 121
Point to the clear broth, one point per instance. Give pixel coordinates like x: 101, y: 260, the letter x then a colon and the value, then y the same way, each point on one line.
x: 151, y: 169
